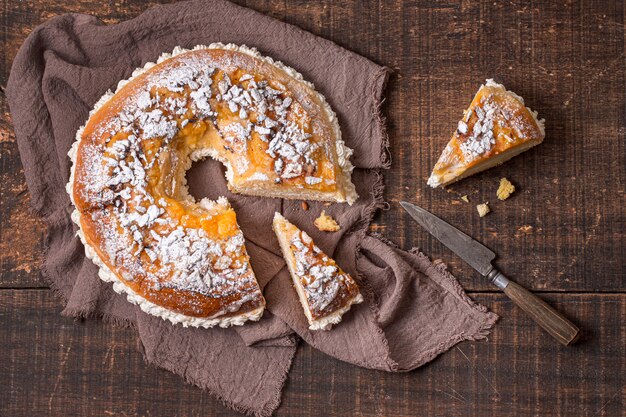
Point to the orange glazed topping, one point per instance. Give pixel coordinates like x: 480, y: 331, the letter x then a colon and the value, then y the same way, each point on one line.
x: 267, y: 125
x: 496, y: 123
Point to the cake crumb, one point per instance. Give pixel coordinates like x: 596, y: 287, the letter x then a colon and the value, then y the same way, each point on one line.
x: 326, y: 223
x: 483, y: 209
x: 505, y: 189
x: 465, y: 198
x: 305, y: 205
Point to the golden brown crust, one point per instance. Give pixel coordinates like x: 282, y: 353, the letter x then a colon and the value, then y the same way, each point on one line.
x: 177, y: 259
x: 309, y: 113
x: 495, y: 127
x: 139, y: 273
x: 324, y: 289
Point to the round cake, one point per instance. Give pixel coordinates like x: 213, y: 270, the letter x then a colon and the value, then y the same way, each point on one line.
x: 176, y: 258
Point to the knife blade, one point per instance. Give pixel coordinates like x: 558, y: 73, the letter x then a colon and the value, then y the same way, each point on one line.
x: 480, y: 258
x: 474, y: 253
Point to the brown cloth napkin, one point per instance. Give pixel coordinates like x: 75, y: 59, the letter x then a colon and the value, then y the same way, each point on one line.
x: 414, y: 310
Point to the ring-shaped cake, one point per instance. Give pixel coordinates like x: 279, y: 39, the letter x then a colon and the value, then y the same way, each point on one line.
x: 179, y: 259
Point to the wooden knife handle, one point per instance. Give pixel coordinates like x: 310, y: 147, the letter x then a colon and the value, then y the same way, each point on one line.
x: 547, y: 317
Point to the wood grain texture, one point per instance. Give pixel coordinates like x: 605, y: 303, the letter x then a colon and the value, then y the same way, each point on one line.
x: 90, y: 368
x: 563, y: 231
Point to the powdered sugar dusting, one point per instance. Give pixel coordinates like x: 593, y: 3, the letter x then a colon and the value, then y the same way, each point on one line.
x: 263, y: 109
x: 486, y: 115
x: 497, y: 124
x: 482, y: 138
x: 321, y: 279
x: 137, y: 230
x: 325, y: 291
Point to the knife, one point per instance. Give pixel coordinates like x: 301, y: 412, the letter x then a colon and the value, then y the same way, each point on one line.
x: 480, y: 257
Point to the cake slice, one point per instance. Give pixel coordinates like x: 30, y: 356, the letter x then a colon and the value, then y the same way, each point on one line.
x: 496, y: 127
x: 325, y: 290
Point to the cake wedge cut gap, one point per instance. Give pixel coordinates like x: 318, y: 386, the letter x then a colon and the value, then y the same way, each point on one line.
x: 326, y: 292
x: 176, y: 258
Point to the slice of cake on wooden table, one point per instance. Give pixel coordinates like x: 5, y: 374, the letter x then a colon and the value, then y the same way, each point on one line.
x: 325, y: 290
x: 496, y: 127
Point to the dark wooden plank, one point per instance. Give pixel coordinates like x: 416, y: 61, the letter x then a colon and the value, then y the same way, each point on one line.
x: 563, y: 230
x: 21, y: 232
x: 55, y: 366
x: 567, y: 220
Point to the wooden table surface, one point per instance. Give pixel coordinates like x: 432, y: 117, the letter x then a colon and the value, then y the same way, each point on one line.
x: 561, y: 234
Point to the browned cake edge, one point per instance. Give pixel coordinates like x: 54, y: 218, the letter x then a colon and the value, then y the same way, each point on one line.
x: 435, y: 181
x: 323, y: 323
